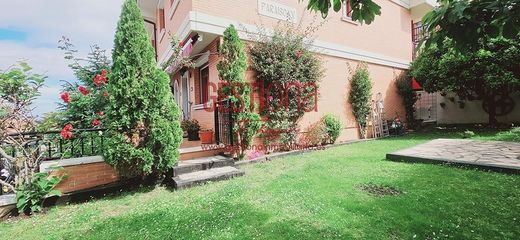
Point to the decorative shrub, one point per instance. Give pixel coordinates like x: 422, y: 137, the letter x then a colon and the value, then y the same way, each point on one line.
x: 333, y: 127
x: 190, y: 125
x: 288, y: 75
x: 232, y: 68
x: 360, y: 95
x: 144, y: 134
x: 29, y: 197
x: 315, y: 135
x: 408, y: 95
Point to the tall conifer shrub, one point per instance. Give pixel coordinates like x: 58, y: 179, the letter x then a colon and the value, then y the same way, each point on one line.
x: 145, y: 132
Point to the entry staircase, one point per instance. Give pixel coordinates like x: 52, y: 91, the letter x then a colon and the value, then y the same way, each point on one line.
x: 189, y: 173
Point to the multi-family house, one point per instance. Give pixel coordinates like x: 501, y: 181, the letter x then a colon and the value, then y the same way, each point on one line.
x: 386, y: 45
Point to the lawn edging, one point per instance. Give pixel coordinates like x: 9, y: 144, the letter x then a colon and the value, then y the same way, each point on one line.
x: 277, y: 155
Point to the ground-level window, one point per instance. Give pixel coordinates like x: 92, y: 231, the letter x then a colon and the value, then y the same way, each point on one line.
x: 204, y: 80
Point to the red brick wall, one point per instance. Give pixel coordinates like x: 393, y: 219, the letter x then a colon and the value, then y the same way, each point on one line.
x: 86, y: 176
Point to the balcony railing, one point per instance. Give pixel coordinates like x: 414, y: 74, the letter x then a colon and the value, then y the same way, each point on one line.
x: 50, y: 144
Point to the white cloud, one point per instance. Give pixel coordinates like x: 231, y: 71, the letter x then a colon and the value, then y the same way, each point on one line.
x: 85, y: 22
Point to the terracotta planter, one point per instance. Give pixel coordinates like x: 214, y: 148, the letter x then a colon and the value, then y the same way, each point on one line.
x: 206, y: 137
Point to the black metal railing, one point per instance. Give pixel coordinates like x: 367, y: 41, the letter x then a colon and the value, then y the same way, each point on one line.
x: 50, y: 145
x: 224, y: 122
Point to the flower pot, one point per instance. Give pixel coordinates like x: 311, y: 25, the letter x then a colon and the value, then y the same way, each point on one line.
x: 206, y: 137
x: 193, y: 135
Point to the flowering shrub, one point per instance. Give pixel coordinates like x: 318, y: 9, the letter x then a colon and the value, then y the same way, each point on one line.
x: 315, y: 134
x: 288, y: 75
x: 84, y: 99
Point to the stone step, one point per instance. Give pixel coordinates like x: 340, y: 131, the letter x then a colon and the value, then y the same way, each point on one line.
x: 214, y: 174
x: 201, y: 164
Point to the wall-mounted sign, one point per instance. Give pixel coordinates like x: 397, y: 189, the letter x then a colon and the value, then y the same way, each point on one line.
x: 276, y: 10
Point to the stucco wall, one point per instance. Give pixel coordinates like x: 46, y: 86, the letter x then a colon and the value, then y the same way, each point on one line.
x: 472, y: 111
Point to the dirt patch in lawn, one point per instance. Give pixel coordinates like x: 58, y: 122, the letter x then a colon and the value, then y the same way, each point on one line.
x: 379, y: 190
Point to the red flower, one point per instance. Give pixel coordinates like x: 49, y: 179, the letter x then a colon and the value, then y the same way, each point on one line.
x: 101, y: 114
x: 65, y: 97
x: 101, y: 79
x: 105, y: 94
x: 83, y: 90
x: 66, y: 132
x: 96, y: 122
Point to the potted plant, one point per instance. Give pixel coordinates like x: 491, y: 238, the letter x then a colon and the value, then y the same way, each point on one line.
x: 206, y: 136
x: 192, y: 127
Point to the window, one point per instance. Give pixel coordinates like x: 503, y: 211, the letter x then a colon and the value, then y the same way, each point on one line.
x: 348, y: 10
x: 204, y: 80
x: 161, y: 19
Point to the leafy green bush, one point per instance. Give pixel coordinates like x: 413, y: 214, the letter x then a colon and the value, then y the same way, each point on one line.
x: 190, y: 125
x: 288, y: 74
x: 405, y: 90
x: 468, y: 134
x: 29, y: 197
x: 360, y: 95
x: 333, y: 127
x: 144, y: 133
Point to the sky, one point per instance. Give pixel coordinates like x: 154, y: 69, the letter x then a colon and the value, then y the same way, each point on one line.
x: 30, y: 30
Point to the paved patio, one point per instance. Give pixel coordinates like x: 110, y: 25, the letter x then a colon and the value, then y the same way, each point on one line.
x: 488, y: 154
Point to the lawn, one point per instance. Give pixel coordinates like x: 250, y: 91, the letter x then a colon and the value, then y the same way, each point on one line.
x: 312, y: 196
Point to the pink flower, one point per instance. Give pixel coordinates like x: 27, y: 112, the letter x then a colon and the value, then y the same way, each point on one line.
x: 65, y: 97
x: 101, y: 114
x: 83, y: 90
x: 105, y: 94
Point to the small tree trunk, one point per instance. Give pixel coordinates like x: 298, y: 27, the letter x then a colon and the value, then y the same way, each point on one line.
x: 492, y: 110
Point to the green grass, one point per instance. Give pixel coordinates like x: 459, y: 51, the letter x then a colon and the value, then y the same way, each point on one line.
x: 312, y: 196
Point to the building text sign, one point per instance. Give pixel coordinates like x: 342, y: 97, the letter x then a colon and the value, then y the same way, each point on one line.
x: 276, y: 10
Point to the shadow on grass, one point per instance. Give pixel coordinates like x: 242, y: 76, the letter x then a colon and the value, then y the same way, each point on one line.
x: 214, y: 219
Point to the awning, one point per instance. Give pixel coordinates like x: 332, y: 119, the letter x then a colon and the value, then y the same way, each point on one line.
x: 415, y: 85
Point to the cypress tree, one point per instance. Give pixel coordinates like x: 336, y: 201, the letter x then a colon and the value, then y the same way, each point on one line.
x: 145, y: 133
x: 232, y: 68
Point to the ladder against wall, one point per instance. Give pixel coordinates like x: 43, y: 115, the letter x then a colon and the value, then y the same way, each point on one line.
x: 379, y: 123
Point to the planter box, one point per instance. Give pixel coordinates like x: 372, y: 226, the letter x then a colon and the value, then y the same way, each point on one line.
x: 82, y: 173
x: 7, y: 204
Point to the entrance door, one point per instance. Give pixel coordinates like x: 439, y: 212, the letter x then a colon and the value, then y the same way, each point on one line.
x: 185, y: 95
